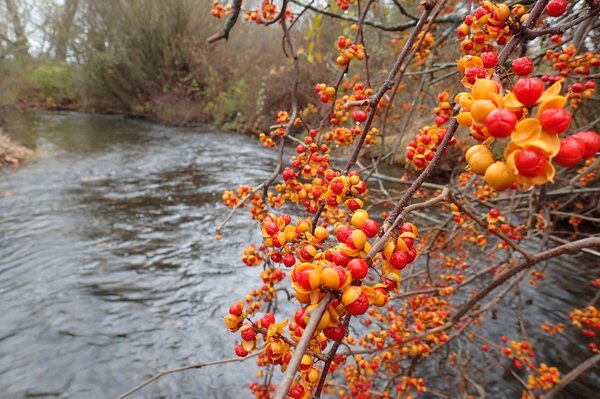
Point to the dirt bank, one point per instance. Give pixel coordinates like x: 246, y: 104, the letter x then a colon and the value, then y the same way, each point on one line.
x: 11, y: 153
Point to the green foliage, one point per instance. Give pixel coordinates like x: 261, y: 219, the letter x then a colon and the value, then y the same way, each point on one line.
x: 45, y: 82
x: 226, y: 100
x: 53, y: 82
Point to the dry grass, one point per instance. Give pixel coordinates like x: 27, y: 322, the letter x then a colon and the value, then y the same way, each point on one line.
x: 12, y: 154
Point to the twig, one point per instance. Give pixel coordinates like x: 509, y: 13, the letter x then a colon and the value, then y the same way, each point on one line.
x: 229, y: 23
x: 560, y: 29
x: 329, y: 359
x: 497, y: 232
x: 184, y: 368
x: 450, y: 18
x: 573, y: 374
x: 551, y: 253
x: 389, y: 229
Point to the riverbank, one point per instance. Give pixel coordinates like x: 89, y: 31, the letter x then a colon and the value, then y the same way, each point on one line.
x: 11, y: 153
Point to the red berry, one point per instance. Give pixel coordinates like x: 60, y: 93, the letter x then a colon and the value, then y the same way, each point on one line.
x: 530, y: 162
x: 518, y: 364
x: 494, y: 212
x: 555, y: 120
x: 412, y: 255
x: 236, y: 309
x: 343, y: 232
x: 240, y: 351
x: 474, y: 73
x: 340, y: 258
x: 267, y: 320
x: 248, y: 334
x: 591, y: 141
x: 406, y: 228
x: 489, y: 59
x: 337, y: 187
x: 359, y: 116
x: 359, y: 306
x: 399, y: 259
x: 297, y: 392
x: 352, y: 204
x: 335, y: 333
x: 481, y: 11
x: 288, y: 174
x: 522, y: 66
x: 556, y: 8
x: 409, y: 241
x: 299, y: 317
x: 528, y: 90
x: 359, y: 268
x: 370, y: 227
x: 272, y: 228
x: 577, y: 87
x: 289, y: 260
x: 501, y: 122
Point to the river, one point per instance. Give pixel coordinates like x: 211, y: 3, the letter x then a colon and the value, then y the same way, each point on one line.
x: 109, y: 270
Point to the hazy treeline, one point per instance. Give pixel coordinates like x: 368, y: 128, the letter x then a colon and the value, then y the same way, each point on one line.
x: 141, y: 57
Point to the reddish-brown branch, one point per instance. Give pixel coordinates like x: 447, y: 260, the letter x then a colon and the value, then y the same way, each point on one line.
x: 572, y: 375
x: 497, y: 232
x: 184, y: 368
x: 229, y: 23
x: 408, y: 194
x: 388, y: 84
x: 551, y: 253
x: 330, y: 356
x: 450, y: 18
x: 560, y: 29
x: 512, y: 44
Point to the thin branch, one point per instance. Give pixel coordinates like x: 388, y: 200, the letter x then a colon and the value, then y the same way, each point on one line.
x: 560, y: 29
x: 229, y: 23
x: 551, y: 253
x: 184, y: 368
x: 572, y: 375
x: 450, y: 18
x: 497, y: 232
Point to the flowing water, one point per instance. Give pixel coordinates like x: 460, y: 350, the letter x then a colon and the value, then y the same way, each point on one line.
x: 109, y: 270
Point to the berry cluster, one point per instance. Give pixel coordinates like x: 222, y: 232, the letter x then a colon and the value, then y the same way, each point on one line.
x: 349, y: 51
x: 422, y: 149
x: 268, y: 11
x: 488, y: 24
x: 588, y: 320
x: 219, y: 11
x: 534, y: 142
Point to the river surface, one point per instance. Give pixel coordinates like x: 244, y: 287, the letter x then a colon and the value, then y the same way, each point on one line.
x: 109, y: 270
